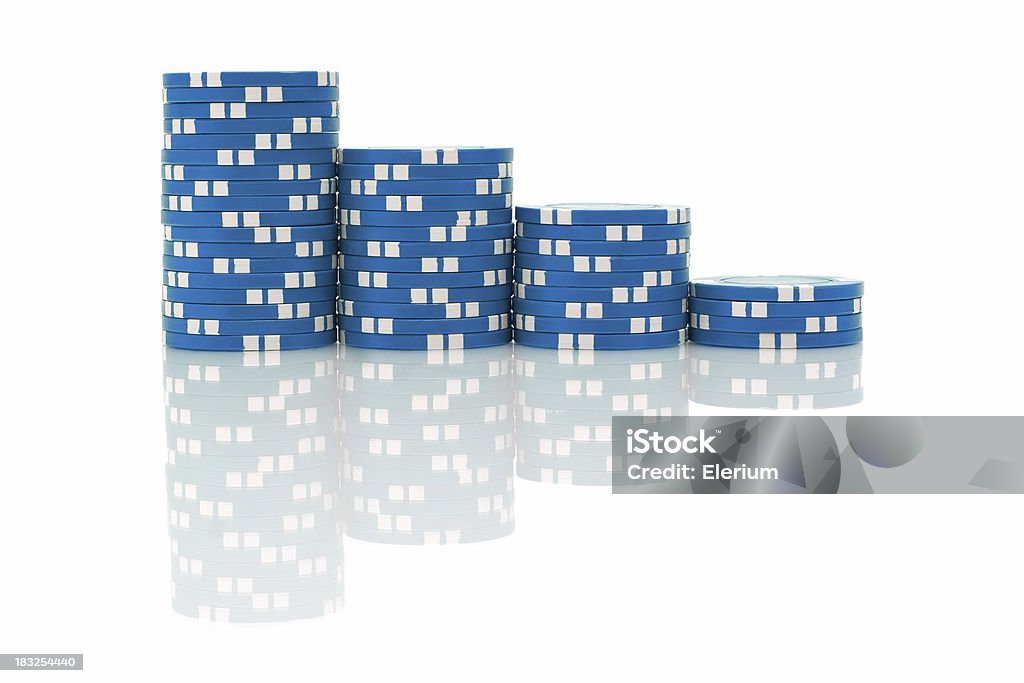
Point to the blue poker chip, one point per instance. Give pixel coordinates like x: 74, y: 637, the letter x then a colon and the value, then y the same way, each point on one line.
x: 462, y: 202
x: 780, y: 288
x: 250, y: 110
x: 806, y: 325
x: 232, y: 79
x: 232, y: 327
x: 768, y: 309
x: 413, y: 172
x: 438, y: 235
x: 427, y: 155
x: 469, y: 309
x: 426, y: 264
x: 246, y: 157
x: 248, y: 188
x: 486, y: 278
x: 308, y: 309
x: 602, y: 264
x: 400, y: 249
x: 299, y: 202
x: 424, y: 218
x: 618, y: 295
x: 603, y: 214
x: 456, y: 187
x: 561, y: 278
x: 251, y: 296
x: 266, y: 235
x: 421, y: 326
x: 282, y: 342
x: 243, y: 266
x: 296, y: 280
x: 632, y: 325
x: 298, y: 124
x: 421, y: 295
x: 577, y: 310
x: 603, y: 233
x: 429, y: 342
x: 281, y: 172
x: 255, y: 141
x: 252, y: 94
x: 245, y: 219
x: 769, y: 340
x: 295, y: 250
x: 601, y: 342
x: 572, y: 248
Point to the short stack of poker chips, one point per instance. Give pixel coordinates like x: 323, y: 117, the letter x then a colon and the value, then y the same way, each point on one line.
x: 566, y: 400
x: 249, y: 197
x: 601, y: 276
x: 776, y: 311
x: 426, y: 247
x: 253, y: 487
x: 427, y: 445
x: 776, y: 342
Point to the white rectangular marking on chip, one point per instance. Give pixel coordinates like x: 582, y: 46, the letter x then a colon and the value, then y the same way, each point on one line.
x: 806, y: 292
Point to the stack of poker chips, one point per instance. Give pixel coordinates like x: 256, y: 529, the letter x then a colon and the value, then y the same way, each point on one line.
x: 566, y: 400
x: 601, y: 276
x: 249, y: 195
x: 776, y: 312
x: 776, y: 379
x: 426, y: 247
x: 427, y: 445
x: 800, y: 317
x: 253, y: 486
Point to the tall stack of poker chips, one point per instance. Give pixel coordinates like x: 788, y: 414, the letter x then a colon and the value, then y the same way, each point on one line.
x: 601, y: 276
x: 776, y: 379
x: 566, y: 400
x: 426, y: 247
x: 427, y: 445
x: 249, y: 195
x: 253, y: 487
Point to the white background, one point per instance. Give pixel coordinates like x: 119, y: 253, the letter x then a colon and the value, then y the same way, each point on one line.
x: 878, y: 140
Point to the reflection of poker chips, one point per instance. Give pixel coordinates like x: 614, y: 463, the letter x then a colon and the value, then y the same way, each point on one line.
x: 566, y: 400
x: 473, y: 364
x: 810, y: 369
x: 556, y: 475
x: 780, y: 402
x: 431, y: 429
x: 602, y: 387
x: 434, y: 537
x: 468, y: 476
x: 322, y: 493
x: 776, y: 379
x: 427, y: 445
x: 457, y: 506
x: 253, y: 484
x: 241, y: 506
x: 470, y: 456
x: 760, y: 387
x: 393, y: 416
x: 424, y: 494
